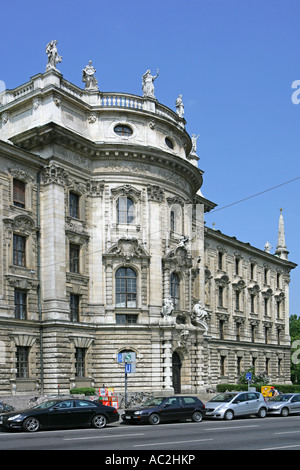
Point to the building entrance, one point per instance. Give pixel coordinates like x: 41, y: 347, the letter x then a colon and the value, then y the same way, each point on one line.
x: 176, y: 372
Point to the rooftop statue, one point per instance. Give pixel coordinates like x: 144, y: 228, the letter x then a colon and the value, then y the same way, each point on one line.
x: 88, y: 77
x: 194, y: 144
x: 148, y: 87
x: 53, y: 57
x: 179, y: 106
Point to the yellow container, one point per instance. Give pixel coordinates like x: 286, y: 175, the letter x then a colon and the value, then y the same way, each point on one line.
x: 266, y: 391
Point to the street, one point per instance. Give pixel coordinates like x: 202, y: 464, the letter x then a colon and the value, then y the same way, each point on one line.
x: 271, y: 433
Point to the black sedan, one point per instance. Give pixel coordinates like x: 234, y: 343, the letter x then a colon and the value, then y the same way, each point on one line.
x: 162, y: 409
x: 61, y: 414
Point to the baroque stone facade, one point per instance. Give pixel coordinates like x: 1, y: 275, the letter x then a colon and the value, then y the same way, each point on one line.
x: 104, y: 249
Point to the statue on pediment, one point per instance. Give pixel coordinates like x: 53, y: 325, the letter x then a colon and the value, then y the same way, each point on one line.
x: 148, y: 86
x: 88, y: 77
x: 179, y: 106
x: 53, y: 57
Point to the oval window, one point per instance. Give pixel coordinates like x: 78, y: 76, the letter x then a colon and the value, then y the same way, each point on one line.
x: 123, y: 130
x: 169, y: 143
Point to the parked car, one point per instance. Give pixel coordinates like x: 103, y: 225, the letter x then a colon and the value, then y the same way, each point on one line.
x: 61, y: 413
x: 284, y: 404
x: 233, y: 404
x: 161, y: 409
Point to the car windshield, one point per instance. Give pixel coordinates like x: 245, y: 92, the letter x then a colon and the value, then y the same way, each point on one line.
x: 154, y: 401
x: 45, y: 404
x: 224, y: 397
x: 284, y: 397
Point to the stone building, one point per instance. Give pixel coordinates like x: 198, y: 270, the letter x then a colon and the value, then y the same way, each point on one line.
x: 104, y: 249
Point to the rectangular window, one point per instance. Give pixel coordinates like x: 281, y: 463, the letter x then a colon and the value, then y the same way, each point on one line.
x: 74, y: 307
x: 22, y: 355
x: 266, y: 335
x: 238, y: 331
x: 266, y: 306
x: 237, y: 266
x: 123, y: 319
x: 253, y: 333
x: 252, y: 271
x: 74, y: 205
x: 221, y: 329
x: 278, y: 280
x: 237, y: 299
x: 278, y: 308
x: 252, y: 303
x: 80, y: 354
x: 266, y: 275
x: 220, y: 260
x: 19, y: 248
x: 20, y: 304
x: 220, y: 296
x: 223, y: 365
x: 18, y: 193
x: 74, y: 258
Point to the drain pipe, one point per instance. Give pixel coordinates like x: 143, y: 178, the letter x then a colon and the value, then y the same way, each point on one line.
x: 39, y: 281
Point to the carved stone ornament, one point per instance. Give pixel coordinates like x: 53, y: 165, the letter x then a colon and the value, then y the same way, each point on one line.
x: 178, y: 258
x: 22, y: 224
x: 155, y: 193
x: 55, y: 174
x: 127, y: 248
x: 21, y: 175
x: 199, y: 315
x: 168, y: 307
x: 184, y: 336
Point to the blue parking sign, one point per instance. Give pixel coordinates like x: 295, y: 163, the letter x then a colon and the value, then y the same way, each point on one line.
x: 120, y: 357
x: 248, y: 376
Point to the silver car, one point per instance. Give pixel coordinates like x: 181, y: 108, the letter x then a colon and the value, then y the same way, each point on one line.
x: 229, y: 405
x: 284, y: 404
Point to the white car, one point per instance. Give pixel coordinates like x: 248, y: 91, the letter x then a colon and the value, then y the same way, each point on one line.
x: 229, y: 405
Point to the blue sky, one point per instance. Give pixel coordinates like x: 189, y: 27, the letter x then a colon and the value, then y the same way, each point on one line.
x: 233, y: 61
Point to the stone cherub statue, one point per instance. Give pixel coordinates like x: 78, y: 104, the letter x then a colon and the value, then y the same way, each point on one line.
x: 199, y: 313
x: 168, y: 307
x: 148, y: 86
x: 53, y: 57
x: 88, y: 77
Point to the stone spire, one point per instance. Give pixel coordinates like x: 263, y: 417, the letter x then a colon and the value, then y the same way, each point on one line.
x: 281, y: 250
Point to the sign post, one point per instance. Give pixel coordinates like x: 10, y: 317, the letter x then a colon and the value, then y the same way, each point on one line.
x: 129, y: 359
x: 248, y: 378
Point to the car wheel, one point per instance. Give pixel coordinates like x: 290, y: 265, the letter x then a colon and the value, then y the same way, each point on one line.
x: 262, y: 413
x: 154, y: 419
x: 197, y: 417
x: 31, y: 424
x: 99, y: 421
x: 284, y: 412
x: 229, y: 415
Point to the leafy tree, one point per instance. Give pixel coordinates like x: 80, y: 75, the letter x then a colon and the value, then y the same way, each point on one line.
x: 256, y: 379
x: 295, y: 342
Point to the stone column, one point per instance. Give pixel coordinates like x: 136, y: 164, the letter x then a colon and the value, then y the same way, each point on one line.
x: 53, y: 244
x: 167, y: 361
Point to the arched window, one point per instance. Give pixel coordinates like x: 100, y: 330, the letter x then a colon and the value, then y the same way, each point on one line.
x: 125, y: 210
x: 175, y: 290
x: 126, y: 288
x: 176, y: 219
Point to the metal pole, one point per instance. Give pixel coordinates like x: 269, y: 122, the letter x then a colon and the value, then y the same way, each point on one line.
x: 125, y: 386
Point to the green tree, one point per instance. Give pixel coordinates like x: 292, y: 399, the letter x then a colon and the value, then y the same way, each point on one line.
x: 295, y: 342
x: 256, y: 379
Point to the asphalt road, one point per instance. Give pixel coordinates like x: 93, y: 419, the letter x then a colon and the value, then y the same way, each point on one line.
x: 271, y: 433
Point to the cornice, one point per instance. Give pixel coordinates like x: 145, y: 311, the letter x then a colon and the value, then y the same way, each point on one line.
x: 51, y: 133
x: 216, y: 234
